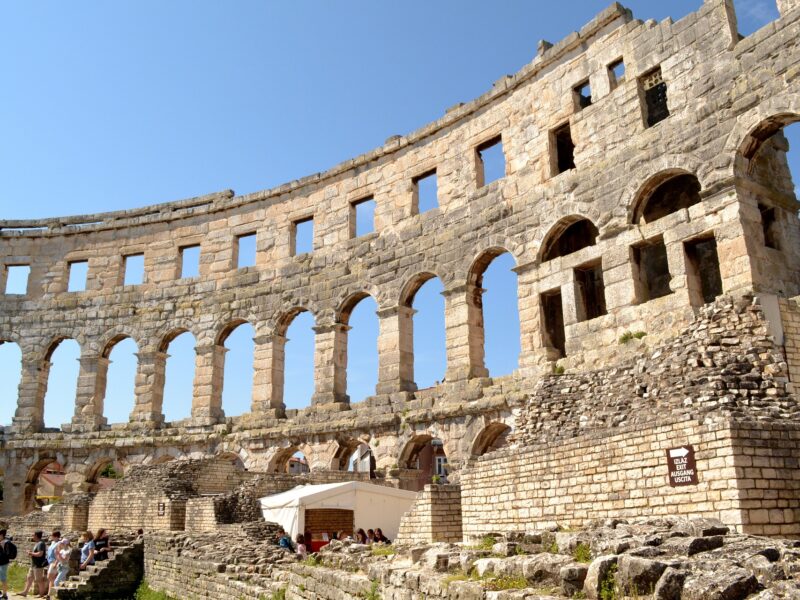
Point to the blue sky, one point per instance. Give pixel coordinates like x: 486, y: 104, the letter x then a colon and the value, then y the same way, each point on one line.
x: 120, y: 104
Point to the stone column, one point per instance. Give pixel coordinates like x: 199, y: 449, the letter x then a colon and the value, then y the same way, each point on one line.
x: 149, y: 388
x: 91, y: 391
x: 532, y: 354
x: 268, y: 375
x: 209, y: 371
x: 330, y: 365
x: 464, y: 333
x: 29, y: 416
x: 396, y: 350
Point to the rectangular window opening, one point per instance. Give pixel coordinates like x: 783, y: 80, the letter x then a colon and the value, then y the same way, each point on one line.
x: 582, y: 94
x: 362, y: 217
x: 704, y: 279
x: 246, y: 250
x: 133, y: 265
x: 565, y: 149
x: 303, y: 236
x: 78, y: 273
x: 591, y: 292
x: 769, y: 225
x: 190, y: 261
x: 655, y: 97
x: 17, y: 279
x: 652, y: 276
x: 616, y: 73
x: 491, y: 161
x: 426, y: 192
x: 553, y: 317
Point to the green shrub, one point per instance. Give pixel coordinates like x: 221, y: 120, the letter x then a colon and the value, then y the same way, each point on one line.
x: 373, y: 593
x: 608, y: 587
x: 145, y: 593
x: 631, y: 335
x: 582, y: 553
x: 279, y: 595
x: 558, y: 369
x: 312, y: 561
x: 381, y: 550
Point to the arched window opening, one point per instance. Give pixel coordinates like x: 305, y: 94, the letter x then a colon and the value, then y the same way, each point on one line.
x: 569, y: 237
x: 179, y: 377
x: 231, y: 458
x: 362, y: 348
x: 237, y: 388
x: 425, y: 454
x: 676, y: 193
x: 429, y: 347
x: 104, y: 475
x: 702, y: 269
x: 355, y: 456
x: 496, y: 299
x: 297, y: 464
x: 62, y: 383
x: 291, y: 460
x: 120, y: 380
x: 493, y: 437
x: 10, y: 374
x: 298, y: 368
x: 44, y: 484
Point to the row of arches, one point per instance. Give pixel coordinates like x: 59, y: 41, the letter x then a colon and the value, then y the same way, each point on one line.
x: 115, y: 375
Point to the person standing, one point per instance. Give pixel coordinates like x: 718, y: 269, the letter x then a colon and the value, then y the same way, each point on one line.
x: 302, y: 552
x: 102, y: 545
x: 87, y: 550
x: 5, y: 558
x: 52, y: 561
x: 37, y: 573
x: 63, y: 553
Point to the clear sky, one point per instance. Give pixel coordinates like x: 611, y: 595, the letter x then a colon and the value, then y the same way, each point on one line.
x: 116, y: 105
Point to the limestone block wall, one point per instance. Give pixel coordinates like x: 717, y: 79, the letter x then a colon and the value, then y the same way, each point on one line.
x: 434, y: 517
x: 746, y: 479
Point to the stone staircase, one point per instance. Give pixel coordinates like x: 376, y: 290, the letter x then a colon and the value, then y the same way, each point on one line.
x: 116, y: 577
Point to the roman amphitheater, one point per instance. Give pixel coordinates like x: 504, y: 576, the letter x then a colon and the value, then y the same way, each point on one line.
x: 658, y: 203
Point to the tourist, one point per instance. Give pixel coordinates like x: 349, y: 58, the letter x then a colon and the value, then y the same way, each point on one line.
x: 361, y: 537
x: 87, y: 550
x: 52, y: 562
x: 4, y: 560
x: 63, y: 554
x: 380, y: 538
x: 284, y: 541
x: 370, y: 536
x: 302, y: 552
x: 102, y: 545
x: 37, y: 573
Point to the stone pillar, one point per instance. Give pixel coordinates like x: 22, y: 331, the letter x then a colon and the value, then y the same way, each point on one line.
x: 209, y: 371
x: 149, y: 388
x: 91, y: 392
x: 532, y: 355
x: 330, y: 365
x: 29, y: 416
x: 464, y: 333
x: 786, y: 6
x: 268, y: 375
x: 396, y: 350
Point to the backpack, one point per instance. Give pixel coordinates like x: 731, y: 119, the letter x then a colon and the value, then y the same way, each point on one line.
x: 10, y: 550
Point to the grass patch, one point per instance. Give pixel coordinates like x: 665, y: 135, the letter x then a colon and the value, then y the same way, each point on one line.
x: 552, y: 548
x: 608, y: 587
x: 279, y: 595
x: 631, y: 335
x: 16, y: 577
x: 383, y: 551
x: 460, y: 576
x: 582, y: 553
x: 504, y: 582
x: 373, y: 593
x: 145, y: 593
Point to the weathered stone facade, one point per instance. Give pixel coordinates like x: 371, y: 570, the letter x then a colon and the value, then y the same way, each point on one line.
x: 652, y: 221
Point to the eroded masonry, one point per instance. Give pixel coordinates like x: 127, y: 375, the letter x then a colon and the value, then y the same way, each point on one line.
x: 646, y: 191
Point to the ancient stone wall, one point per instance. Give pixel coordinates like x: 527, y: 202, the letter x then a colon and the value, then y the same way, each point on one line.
x: 727, y: 98
x: 434, y: 517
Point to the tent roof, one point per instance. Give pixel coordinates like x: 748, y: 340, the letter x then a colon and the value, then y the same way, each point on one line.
x: 311, y: 494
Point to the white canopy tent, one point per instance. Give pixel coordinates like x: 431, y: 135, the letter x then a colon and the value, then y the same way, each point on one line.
x: 372, y: 505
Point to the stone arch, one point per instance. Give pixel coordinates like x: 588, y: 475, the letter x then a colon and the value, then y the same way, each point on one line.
x: 167, y: 338
x: 46, y: 372
x: 422, y: 453
x: 95, y: 470
x: 104, y: 369
x: 474, y: 298
x: 491, y: 437
x: 345, y: 452
x: 664, y: 193
x: 407, y: 339
x: 569, y: 234
x: 224, y: 369
x: 226, y: 327
x: 32, y: 476
x: 343, y: 358
x: 160, y: 386
x: 278, y: 351
x: 231, y: 457
x: 279, y: 461
x: 9, y: 393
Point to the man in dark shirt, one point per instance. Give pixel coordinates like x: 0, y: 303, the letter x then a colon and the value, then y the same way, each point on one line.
x: 38, y: 571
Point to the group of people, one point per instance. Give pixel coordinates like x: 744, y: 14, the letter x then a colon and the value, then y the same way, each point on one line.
x: 303, y: 540
x: 50, y: 564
